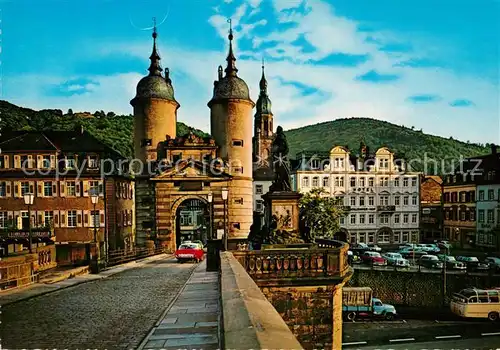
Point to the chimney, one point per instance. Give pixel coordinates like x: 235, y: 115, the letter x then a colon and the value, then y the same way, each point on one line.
x: 493, y: 148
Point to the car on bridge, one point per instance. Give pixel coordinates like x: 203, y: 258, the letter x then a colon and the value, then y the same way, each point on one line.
x: 430, y: 261
x: 373, y: 258
x: 451, y: 262
x: 396, y: 259
x: 473, y: 263
x: 493, y: 263
x: 188, y: 252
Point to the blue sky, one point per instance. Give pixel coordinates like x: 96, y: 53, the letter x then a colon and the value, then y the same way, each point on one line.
x: 429, y: 64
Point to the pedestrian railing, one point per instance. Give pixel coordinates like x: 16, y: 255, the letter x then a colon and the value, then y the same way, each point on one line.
x: 18, y: 275
x: 118, y: 257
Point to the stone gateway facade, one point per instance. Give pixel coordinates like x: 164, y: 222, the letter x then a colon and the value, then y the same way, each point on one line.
x: 180, y: 181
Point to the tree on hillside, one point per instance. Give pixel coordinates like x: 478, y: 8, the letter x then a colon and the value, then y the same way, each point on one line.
x: 320, y: 213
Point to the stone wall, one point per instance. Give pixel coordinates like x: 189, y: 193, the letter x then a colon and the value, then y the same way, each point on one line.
x: 418, y: 289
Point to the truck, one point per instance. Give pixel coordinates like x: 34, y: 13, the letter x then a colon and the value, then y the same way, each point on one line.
x: 359, y: 301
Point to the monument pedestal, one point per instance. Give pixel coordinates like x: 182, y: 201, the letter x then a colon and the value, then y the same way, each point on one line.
x: 283, y: 206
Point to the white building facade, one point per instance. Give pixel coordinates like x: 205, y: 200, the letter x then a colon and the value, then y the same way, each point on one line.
x: 487, y: 214
x: 381, y: 200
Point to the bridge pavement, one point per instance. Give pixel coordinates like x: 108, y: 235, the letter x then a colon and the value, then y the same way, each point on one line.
x: 116, y: 312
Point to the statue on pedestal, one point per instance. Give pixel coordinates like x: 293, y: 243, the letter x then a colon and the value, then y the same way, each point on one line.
x: 281, y: 166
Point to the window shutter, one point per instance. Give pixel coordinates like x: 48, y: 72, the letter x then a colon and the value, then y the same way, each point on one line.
x: 63, y: 218
x: 32, y: 187
x: 18, y: 189
x: 52, y: 161
x: 17, y: 162
x: 86, y: 218
x: 40, y: 219
x: 39, y: 161
x: 77, y: 188
x: 79, y: 219
x: 56, y: 218
x: 40, y: 189
x: 101, y: 218
x: 6, y: 162
x: 7, y: 186
x: 62, y: 188
x: 85, y: 188
x: 101, y: 188
x: 54, y: 189
x: 30, y: 161
x: 117, y: 190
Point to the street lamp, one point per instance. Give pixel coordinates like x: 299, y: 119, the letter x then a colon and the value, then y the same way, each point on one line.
x: 210, y: 198
x: 94, y: 197
x: 224, y: 198
x: 28, y: 200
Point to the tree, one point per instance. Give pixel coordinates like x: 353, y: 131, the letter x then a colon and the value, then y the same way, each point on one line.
x: 320, y: 213
x: 70, y: 111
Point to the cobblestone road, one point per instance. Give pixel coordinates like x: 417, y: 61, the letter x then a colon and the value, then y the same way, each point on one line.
x: 113, y: 313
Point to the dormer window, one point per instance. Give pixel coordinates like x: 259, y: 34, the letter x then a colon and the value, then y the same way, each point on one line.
x: 93, y: 163
x: 45, y: 162
x: 314, y: 163
x: 25, y: 162
x: 70, y: 163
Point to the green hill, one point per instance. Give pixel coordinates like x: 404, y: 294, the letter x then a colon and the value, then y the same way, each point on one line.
x: 116, y: 131
x: 405, y: 142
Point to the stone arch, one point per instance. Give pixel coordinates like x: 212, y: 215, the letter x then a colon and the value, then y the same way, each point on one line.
x: 386, y: 235
x: 175, y: 207
x: 342, y: 235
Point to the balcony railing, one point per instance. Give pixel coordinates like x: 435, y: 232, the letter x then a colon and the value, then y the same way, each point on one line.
x: 296, y: 263
x: 386, y: 208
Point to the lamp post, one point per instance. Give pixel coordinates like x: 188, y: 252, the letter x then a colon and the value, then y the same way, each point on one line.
x: 28, y: 200
x: 225, y: 192
x: 94, y: 197
x: 210, y: 198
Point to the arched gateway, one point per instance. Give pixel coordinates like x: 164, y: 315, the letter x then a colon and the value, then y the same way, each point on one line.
x: 192, y: 221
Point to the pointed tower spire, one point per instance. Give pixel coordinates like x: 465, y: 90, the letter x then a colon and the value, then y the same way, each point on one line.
x: 231, y: 60
x: 154, y: 68
x: 263, y: 81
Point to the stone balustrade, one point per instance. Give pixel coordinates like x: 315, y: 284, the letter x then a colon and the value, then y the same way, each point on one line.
x: 46, y: 258
x: 326, y: 259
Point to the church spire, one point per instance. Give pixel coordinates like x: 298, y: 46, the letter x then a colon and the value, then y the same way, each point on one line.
x: 155, y: 68
x: 263, y: 81
x: 231, y: 60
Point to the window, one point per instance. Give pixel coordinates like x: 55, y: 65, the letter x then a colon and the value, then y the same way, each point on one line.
x: 396, y: 219
x: 414, y: 182
x: 362, y: 182
x: 25, y: 162
x: 70, y: 163
x: 259, y: 205
x: 2, y: 162
x: 472, y: 215
x: 342, y: 220
x: 384, y: 200
x: 25, y: 188
x: 315, y: 181
x: 481, y: 216
x: 326, y: 183
x: 353, y: 182
x: 336, y: 183
x: 384, y: 219
x: 71, y: 188
x: 396, y: 182
x: 405, y: 218
x: 381, y: 182
x: 462, y: 215
x: 397, y: 237
x: 361, y: 218
x: 341, y: 180
x: 491, y: 217
x: 371, y: 200
x: 481, y: 195
x: 413, y: 218
x: 72, y: 218
x: 305, y: 182
x: 3, y: 219
x: 414, y: 200
x: 383, y: 237
x: 314, y: 163
x: 49, y: 217
x: 3, y: 189
x: 353, y: 201
x: 361, y: 201
x: 371, y: 218
x: 491, y: 195
x: 94, y: 218
x: 386, y: 181
x: 93, y: 164
x: 371, y: 237
x: 384, y: 163
x: 405, y: 182
x: 94, y: 188
x: 370, y: 182
x: 353, y: 218
x: 397, y: 200
x: 259, y: 189
x: 47, y: 189
x: 405, y: 200
x: 45, y: 162
x: 340, y: 200
x: 238, y: 143
x: 406, y: 236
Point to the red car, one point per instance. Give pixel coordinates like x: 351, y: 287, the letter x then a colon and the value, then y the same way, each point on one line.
x: 189, y: 251
x: 373, y: 258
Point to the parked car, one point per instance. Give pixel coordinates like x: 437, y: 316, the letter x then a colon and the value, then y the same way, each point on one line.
x: 433, y: 248
x: 189, y: 251
x: 430, y: 261
x: 361, y: 246
x: 200, y: 243
x: 409, y: 253
x: 373, y: 258
x: 473, y: 263
x: 451, y: 262
x: 396, y: 259
x: 406, y: 246
x: 493, y: 263
x: 359, y: 301
x: 374, y: 247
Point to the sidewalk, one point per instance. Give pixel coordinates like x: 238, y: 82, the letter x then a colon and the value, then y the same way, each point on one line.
x: 192, y: 320
x: 55, y: 283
